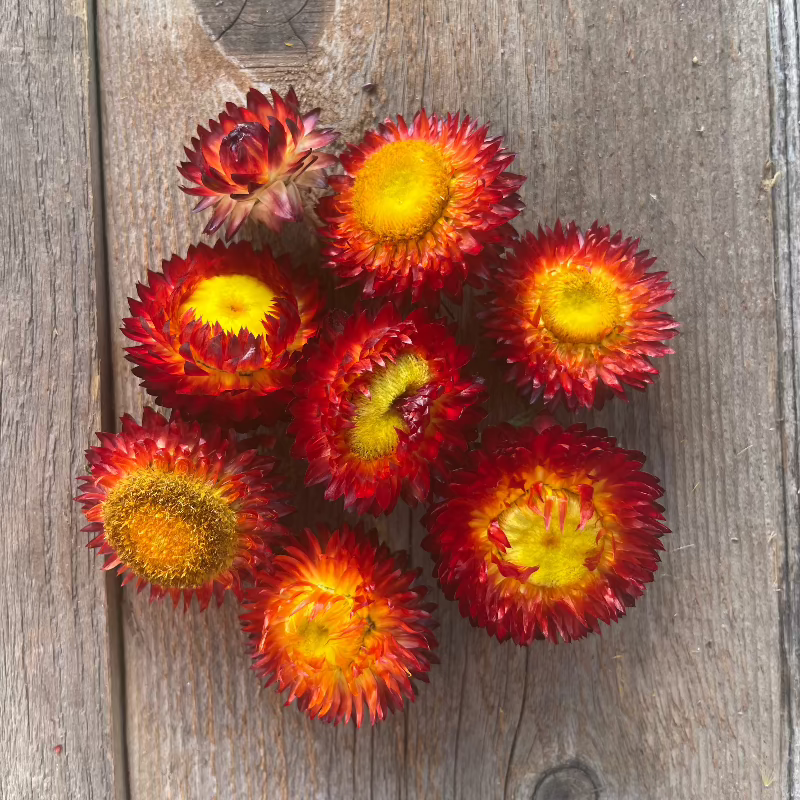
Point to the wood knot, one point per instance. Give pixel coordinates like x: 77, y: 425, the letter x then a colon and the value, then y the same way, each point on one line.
x: 251, y: 29
x: 571, y: 781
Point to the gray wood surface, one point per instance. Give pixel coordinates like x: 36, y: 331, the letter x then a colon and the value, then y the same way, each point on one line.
x: 785, y: 129
x: 55, y: 710
x: 657, y: 117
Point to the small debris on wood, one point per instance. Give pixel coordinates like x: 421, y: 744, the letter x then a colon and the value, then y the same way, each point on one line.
x: 701, y: 129
x: 744, y: 450
x: 58, y: 749
x: 696, y: 61
x: 369, y: 87
x: 767, y: 778
x: 288, y: 44
x: 682, y: 547
x: 768, y: 184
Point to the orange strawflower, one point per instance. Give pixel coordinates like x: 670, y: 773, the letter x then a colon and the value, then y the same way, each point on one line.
x: 220, y: 331
x: 577, y: 316
x: 253, y: 161
x: 339, y: 622
x: 547, y: 534
x: 421, y: 208
x: 180, y: 507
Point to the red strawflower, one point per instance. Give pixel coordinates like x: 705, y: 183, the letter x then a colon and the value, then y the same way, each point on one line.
x: 421, y: 208
x: 180, y: 507
x: 220, y: 332
x: 547, y: 534
x: 338, y: 622
x: 251, y: 161
x: 576, y: 316
x: 381, y: 406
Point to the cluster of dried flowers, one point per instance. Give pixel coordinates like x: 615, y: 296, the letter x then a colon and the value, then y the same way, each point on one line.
x: 539, y: 532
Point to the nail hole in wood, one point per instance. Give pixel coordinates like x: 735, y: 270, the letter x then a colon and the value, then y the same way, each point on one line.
x: 247, y: 29
x: 572, y: 781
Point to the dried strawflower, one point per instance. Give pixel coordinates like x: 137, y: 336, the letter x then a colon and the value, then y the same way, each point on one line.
x: 180, y: 507
x: 576, y: 316
x: 340, y: 623
x: 253, y: 161
x: 220, y: 331
x: 421, y: 208
x: 381, y: 406
x: 548, y: 533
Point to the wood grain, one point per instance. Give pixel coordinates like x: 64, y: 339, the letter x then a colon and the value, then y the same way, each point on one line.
x: 654, y: 117
x: 54, y: 691
x: 282, y: 31
x: 785, y: 134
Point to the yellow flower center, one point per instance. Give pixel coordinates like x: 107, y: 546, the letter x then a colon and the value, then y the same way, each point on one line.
x: 402, y: 189
x: 233, y: 301
x: 334, y: 635
x: 560, y: 555
x: 374, y: 433
x: 170, y: 528
x: 579, y: 306
x: 321, y: 623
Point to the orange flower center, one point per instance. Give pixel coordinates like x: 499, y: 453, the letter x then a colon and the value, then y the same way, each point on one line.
x: 232, y: 301
x: 170, y: 528
x: 562, y: 556
x: 402, y: 190
x: 578, y: 305
x: 378, y: 418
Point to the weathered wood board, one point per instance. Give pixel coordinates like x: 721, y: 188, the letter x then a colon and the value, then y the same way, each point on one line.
x: 55, y: 709
x: 675, y: 121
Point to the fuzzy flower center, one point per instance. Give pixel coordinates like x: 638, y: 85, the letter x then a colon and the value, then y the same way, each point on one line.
x: 401, y: 190
x: 232, y: 301
x: 579, y: 306
x: 378, y: 416
x: 561, y: 555
x: 170, y: 528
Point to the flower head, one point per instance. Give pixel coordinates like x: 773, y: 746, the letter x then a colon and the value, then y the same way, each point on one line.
x: 547, y: 534
x: 381, y: 404
x: 339, y: 623
x: 421, y: 208
x: 253, y: 160
x: 219, y: 333
x: 179, y: 507
x: 576, y: 316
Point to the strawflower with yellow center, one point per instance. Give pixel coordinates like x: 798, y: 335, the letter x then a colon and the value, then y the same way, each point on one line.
x: 383, y: 407
x: 547, y: 533
x: 254, y: 161
x: 577, y: 316
x: 219, y: 333
x: 180, y: 508
x: 421, y: 208
x: 339, y: 622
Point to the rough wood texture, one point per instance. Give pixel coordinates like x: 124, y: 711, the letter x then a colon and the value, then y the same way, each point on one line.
x: 785, y: 124
x: 54, y: 698
x: 655, y: 117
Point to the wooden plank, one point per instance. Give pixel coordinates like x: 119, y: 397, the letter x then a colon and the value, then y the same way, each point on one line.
x: 613, y: 118
x: 784, y: 36
x: 54, y: 693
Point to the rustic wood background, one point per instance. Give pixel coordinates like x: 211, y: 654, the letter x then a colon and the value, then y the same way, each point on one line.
x: 674, y: 120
